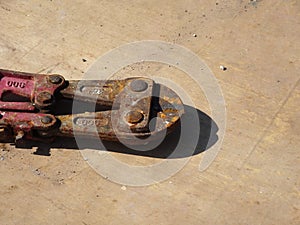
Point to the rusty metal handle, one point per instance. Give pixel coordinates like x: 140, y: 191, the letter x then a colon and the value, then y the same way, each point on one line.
x: 18, y: 125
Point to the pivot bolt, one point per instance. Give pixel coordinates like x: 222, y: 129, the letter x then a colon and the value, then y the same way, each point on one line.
x: 54, y: 79
x: 46, y: 119
x: 134, y: 117
x: 138, y: 85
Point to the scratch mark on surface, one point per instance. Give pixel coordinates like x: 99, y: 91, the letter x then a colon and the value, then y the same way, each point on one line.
x: 266, y: 129
x: 28, y: 52
x: 49, y: 68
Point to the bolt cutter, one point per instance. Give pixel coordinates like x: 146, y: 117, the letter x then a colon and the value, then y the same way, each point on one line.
x: 34, y: 107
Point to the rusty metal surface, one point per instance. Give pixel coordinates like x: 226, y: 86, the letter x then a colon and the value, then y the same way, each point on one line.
x: 95, y: 91
x: 133, y: 102
x: 168, y: 108
x: 27, y: 125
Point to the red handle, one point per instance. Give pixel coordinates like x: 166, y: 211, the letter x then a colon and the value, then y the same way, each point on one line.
x: 26, y: 91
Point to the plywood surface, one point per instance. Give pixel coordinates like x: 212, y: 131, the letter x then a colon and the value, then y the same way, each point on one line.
x: 255, y: 177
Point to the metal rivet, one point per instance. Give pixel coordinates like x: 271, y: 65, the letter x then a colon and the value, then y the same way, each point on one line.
x: 138, y: 85
x: 134, y: 117
x: 55, y: 79
x: 46, y: 119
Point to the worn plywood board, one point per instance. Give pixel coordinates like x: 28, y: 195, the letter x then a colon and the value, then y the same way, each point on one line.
x: 255, y: 177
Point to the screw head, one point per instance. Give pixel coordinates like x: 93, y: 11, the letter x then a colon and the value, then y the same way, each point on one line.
x: 44, y: 98
x: 46, y: 119
x: 55, y: 79
x: 134, y: 117
x: 138, y: 85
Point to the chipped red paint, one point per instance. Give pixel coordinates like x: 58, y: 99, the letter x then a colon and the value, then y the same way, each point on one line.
x: 27, y: 100
x: 27, y: 86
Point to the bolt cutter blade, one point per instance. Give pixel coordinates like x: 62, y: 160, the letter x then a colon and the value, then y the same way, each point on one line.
x: 135, y: 108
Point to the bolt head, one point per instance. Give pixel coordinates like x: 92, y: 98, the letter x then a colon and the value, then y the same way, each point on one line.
x: 46, y: 119
x: 138, y: 85
x: 134, y: 117
x: 55, y: 79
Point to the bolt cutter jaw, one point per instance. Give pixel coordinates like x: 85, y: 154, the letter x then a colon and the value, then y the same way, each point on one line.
x: 29, y: 108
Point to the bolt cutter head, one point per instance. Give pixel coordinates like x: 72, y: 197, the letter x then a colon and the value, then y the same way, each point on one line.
x: 29, y: 105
